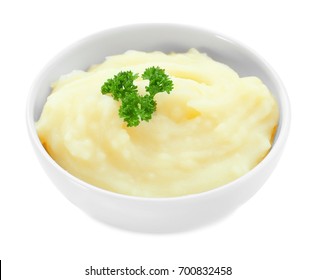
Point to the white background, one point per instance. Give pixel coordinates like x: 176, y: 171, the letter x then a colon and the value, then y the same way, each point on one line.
x: 43, y: 236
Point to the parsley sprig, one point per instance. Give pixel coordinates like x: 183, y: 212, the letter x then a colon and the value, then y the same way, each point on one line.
x: 135, y: 107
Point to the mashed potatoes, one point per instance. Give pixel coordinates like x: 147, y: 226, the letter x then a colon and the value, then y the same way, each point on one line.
x: 213, y: 127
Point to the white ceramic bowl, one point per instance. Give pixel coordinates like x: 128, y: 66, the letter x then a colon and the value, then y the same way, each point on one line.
x: 157, y: 214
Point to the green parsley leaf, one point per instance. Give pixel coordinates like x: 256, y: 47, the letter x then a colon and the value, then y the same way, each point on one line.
x: 158, y: 80
x: 147, y: 107
x: 129, y: 110
x: 120, y: 85
x: 135, y: 107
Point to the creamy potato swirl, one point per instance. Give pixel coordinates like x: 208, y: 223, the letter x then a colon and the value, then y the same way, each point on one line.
x: 213, y: 128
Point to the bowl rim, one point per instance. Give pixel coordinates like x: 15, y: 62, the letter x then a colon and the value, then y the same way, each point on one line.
x: 278, y: 145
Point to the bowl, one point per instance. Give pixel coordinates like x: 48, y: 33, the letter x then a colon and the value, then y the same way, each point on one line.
x: 157, y: 214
